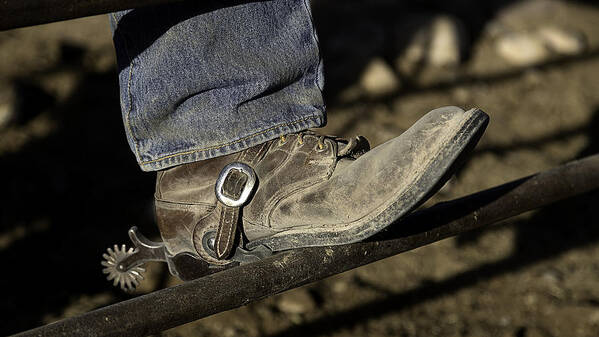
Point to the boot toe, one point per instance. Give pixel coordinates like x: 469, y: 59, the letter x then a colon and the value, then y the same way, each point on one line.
x: 380, y: 186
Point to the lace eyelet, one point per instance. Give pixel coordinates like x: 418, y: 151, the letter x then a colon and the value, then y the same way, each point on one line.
x: 282, y: 140
x: 321, y: 147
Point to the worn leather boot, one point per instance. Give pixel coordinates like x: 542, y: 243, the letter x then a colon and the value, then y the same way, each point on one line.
x: 303, y: 190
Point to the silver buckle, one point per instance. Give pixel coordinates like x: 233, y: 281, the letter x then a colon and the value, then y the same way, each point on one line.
x: 247, y: 189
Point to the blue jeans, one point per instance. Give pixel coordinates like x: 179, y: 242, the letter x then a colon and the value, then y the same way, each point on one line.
x: 201, y: 79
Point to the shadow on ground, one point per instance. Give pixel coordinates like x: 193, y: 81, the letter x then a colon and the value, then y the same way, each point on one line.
x: 72, y: 194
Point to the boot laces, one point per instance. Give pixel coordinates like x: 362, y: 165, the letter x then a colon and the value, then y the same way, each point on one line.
x: 300, y: 140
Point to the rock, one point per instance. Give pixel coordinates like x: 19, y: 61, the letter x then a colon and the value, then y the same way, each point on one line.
x: 552, y: 276
x: 297, y: 301
x: 438, y: 43
x: 445, y: 42
x: 6, y: 115
x: 521, y: 49
x: 505, y: 321
x: 528, y: 48
x: 229, y: 332
x: 461, y: 95
x: 562, y: 41
x: 7, y: 107
x: 594, y: 317
x: 340, y: 287
x: 413, y: 53
x: 378, y: 78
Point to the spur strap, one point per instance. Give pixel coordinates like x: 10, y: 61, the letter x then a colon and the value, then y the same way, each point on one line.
x: 234, y: 187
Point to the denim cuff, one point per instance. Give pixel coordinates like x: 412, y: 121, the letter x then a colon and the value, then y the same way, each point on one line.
x: 201, y: 79
x: 233, y: 146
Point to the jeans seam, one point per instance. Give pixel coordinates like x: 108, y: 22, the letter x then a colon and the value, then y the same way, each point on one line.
x: 128, y: 116
x: 217, y: 147
x: 315, y: 38
x: 129, y: 96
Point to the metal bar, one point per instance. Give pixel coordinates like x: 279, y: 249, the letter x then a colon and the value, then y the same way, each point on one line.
x: 22, y: 13
x: 239, y: 286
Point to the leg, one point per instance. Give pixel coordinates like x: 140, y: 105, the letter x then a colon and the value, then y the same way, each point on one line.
x: 205, y: 94
x: 209, y: 78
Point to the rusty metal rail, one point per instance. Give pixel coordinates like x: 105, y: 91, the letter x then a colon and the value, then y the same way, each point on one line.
x: 239, y: 286
x: 22, y: 13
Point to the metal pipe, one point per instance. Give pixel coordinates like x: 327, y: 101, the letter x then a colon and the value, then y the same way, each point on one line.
x: 239, y: 286
x: 22, y: 13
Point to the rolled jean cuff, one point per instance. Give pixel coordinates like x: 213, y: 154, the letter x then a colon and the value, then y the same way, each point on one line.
x: 201, y: 79
x: 234, y: 145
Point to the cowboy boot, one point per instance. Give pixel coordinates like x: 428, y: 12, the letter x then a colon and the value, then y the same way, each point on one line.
x: 303, y: 190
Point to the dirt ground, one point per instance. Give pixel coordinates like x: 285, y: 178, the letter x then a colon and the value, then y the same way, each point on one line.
x: 72, y: 187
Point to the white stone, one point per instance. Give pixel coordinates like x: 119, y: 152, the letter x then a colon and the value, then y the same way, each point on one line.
x: 378, y: 78
x: 562, y: 41
x: 6, y: 115
x: 340, y: 287
x: 594, y: 317
x: 297, y: 301
x: 445, y: 43
x: 414, y: 53
x: 521, y: 49
x: 7, y: 107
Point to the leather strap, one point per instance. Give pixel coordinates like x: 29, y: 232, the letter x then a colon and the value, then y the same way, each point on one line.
x: 232, y: 188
